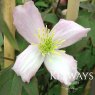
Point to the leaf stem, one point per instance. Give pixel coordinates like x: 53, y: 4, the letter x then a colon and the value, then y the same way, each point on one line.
x: 64, y: 90
x: 57, y: 6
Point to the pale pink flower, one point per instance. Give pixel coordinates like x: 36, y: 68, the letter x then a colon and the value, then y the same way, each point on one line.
x: 44, y: 45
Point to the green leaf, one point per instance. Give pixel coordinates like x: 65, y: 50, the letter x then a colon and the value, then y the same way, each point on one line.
x: 78, y: 91
x: 55, y: 90
x: 16, y: 86
x: 1, y: 39
x: 77, y: 47
x: 5, y: 75
x: 6, y: 88
x: 19, y: 2
x: 22, y: 43
x: 41, y: 4
x: 24, y: 91
x: 4, y: 29
x: 10, y: 83
x: 88, y: 6
x: 32, y: 87
x: 51, y: 18
x: 85, y: 58
x: 85, y: 19
x: 1, y: 58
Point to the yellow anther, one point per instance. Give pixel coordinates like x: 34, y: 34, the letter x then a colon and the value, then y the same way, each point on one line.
x: 47, y: 44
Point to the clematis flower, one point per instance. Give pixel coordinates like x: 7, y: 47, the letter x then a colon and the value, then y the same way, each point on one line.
x: 45, y: 44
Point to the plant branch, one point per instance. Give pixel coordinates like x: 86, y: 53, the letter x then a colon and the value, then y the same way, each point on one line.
x: 57, y: 6
x: 6, y: 58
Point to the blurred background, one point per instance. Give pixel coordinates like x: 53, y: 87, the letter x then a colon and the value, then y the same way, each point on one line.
x: 11, y: 44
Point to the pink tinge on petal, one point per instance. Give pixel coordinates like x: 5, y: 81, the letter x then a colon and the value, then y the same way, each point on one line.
x: 28, y: 62
x: 62, y: 67
x: 28, y: 21
x: 69, y: 32
x: 35, y: 15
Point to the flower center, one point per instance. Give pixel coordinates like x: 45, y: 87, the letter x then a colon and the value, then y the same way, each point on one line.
x: 47, y: 45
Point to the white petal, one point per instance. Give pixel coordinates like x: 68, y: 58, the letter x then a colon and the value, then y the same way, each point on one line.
x: 28, y: 62
x: 28, y: 21
x: 69, y: 31
x: 62, y: 67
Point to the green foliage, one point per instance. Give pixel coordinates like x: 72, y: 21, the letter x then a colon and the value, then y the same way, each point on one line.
x: 88, y: 6
x: 5, y: 30
x: 86, y: 19
x: 19, y: 2
x: 32, y: 87
x: 41, y: 4
x: 85, y: 58
x: 22, y: 43
x: 1, y: 58
x: 11, y: 84
x: 55, y: 90
x: 83, y: 51
x: 77, y: 91
x: 50, y: 17
x: 1, y: 39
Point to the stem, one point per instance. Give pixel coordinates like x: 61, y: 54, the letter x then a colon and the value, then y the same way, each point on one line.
x: 90, y: 86
x: 73, y: 9
x: 7, y: 58
x: 7, y: 11
x: 72, y: 14
x: 92, y: 91
x: 93, y: 1
x: 87, y: 88
x: 57, y: 6
x: 64, y: 90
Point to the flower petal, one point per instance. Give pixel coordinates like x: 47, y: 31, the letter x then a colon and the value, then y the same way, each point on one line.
x: 69, y: 31
x: 28, y: 62
x: 62, y: 67
x: 27, y: 20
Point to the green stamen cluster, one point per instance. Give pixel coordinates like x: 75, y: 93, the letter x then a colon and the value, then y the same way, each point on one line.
x: 47, y: 45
